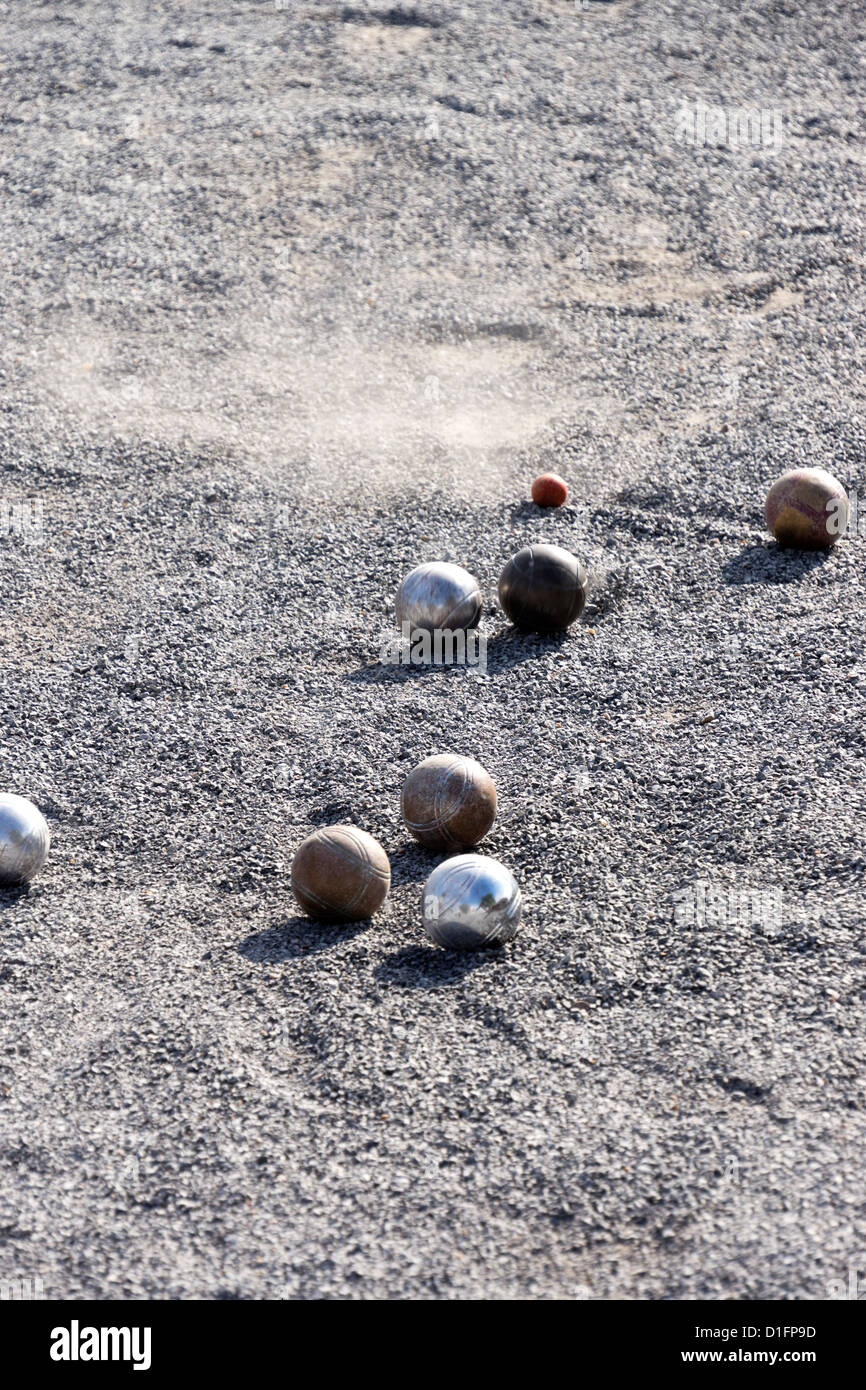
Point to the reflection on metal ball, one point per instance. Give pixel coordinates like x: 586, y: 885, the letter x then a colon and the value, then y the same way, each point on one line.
x: 438, y: 596
x: 24, y: 839
x: 471, y: 901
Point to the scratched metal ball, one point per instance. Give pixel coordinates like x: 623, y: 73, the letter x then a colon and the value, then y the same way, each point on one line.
x: 24, y: 839
x: 340, y: 874
x: 543, y: 588
x: 807, y: 509
x: 448, y: 801
x: 438, y: 596
x: 471, y: 901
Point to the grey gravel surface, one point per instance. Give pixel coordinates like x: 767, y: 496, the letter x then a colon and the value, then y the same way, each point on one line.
x: 295, y: 298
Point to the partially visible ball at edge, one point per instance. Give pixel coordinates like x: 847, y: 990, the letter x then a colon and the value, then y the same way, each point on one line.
x: 24, y: 840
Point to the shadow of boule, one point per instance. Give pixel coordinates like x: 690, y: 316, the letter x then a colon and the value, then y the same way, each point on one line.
x: 771, y: 564
x: 430, y: 967
x: 297, y: 938
x: 13, y: 893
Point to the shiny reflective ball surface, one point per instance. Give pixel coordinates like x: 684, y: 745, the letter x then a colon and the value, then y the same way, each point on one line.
x: 340, y: 874
x: 448, y: 801
x: 24, y: 839
x: 543, y: 588
x: 438, y: 596
x: 471, y: 901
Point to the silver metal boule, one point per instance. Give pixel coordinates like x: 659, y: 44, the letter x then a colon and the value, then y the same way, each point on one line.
x: 471, y: 901
x: 24, y: 839
x: 438, y: 596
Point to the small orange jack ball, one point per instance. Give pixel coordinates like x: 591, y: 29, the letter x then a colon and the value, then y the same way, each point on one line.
x: 549, y: 490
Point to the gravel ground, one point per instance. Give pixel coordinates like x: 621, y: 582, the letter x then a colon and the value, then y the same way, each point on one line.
x: 294, y: 298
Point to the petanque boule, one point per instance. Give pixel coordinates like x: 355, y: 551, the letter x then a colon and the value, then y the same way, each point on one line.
x: 24, y: 839
x: 340, y: 874
x: 471, y: 901
x: 807, y: 509
x: 438, y: 596
x: 448, y: 801
x: 543, y: 588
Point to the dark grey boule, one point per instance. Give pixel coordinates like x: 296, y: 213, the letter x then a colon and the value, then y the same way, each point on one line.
x: 543, y: 588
